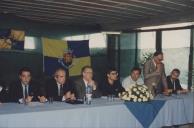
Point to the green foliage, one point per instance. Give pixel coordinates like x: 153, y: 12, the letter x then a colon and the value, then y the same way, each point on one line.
x: 146, y: 56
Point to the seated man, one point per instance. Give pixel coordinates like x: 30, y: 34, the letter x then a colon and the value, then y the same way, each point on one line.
x: 86, y: 80
x: 134, y: 78
x: 24, y: 90
x: 174, y: 83
x: 2, y: 94
x: 59, y: 88
x: 111, y: 85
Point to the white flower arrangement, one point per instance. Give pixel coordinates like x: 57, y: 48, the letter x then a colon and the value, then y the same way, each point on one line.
x: 145, y: 57
x: 136, y: 93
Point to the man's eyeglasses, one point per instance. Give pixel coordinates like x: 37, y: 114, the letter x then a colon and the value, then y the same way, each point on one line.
x: 114, y: 73
x: 88, y: 72
x: 58, y: 76
x: 176, y: 75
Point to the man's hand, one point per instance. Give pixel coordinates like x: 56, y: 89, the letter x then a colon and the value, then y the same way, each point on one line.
x: 29, y: 99
x: 185, y: 90
x: 158, y: 67
x: 67, y: 95
x: 42, y: 99
x: 73, y: 96
x: 182, y: 91
x: 93, y: 84
x: 166, y: 91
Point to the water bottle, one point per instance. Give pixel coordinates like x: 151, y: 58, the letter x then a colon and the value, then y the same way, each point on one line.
x: 88, y: 94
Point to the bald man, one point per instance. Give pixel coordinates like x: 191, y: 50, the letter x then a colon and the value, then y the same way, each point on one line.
x: 59, y: 88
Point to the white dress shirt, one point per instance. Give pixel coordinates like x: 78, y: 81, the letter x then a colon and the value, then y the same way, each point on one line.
x: 23, y: 89
x: 85, y: 82
x: 59, y: 87
x: 128, y: 81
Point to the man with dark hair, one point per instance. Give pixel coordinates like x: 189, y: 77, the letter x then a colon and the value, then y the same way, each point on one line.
x: 24, y: 90
x: 134, y: 78
x: 111, y: 85
x: 158, y: 53
x: 174, y: 83
x: 85, y: 80
x: 154, y: 74
x: 59, y: 88
x: 67, y: 61
x: 2, y: 94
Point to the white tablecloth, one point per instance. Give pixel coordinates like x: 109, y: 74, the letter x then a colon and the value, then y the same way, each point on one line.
x: 178, y: 109
x: 101, y: 114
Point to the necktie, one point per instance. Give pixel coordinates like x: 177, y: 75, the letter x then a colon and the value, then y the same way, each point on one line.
x: 174, y: 85
x: 60, y: 93
x: 26, y: 92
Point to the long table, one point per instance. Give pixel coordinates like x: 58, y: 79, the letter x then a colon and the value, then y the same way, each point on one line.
x: 178, y: 109
x: 100, y: 114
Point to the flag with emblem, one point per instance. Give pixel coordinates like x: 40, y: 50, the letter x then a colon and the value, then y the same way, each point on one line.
x: 70, y: 55
x: 12, y: 39
x: 17, y: 38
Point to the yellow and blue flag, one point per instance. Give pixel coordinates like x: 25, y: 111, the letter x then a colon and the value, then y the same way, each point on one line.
x: 12, y: 39
x: 82, y: 55
x: 5, y: 42
x: 53, y: 51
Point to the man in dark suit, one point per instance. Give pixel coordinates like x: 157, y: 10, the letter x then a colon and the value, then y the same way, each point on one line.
x: 59, y: 88
x: 174, y: 83
x: 111, y: 85
x: 154, y: 74
x: 24, y: 90
x: 86, y: 80
x: 2, y: 94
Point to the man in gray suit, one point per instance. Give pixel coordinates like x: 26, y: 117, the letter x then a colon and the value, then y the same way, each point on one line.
x: 154, y: 74
x: 84, y: 81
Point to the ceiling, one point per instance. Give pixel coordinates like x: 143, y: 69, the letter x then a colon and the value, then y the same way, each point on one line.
x: 107, y: 14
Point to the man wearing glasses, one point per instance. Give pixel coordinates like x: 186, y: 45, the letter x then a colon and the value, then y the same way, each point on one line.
x: 85, y: 80
x: 111, y: 85
x: 154, y: 74
x: 59, y: 88
x: 134, y: 78
x: 174, y: 83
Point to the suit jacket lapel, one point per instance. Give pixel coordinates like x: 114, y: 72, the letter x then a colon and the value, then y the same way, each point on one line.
x: 83, y: 87
x: 55, y: 88
x: 20, y: 89
x: 152, y: 66
x: 30, y: 91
